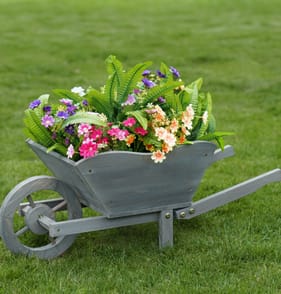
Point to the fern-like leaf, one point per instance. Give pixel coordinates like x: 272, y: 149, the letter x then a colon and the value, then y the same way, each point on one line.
x: 131, y: 78
x: 38, y: 131
x: 208, y: 108
x: 158, y: 91
x: 100, y: 102
x: 115, y: 67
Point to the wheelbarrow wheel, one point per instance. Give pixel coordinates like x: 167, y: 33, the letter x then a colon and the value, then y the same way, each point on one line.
x: 35, y: 197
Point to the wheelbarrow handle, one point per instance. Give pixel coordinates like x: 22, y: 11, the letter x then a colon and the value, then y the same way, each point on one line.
x: 220, y: 154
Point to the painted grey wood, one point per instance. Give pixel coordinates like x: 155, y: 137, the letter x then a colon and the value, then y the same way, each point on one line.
x: 91, y: 224
x: 166, y: 219
x: 228, y: 195
x: 120, y: 183
x: 11, y: 204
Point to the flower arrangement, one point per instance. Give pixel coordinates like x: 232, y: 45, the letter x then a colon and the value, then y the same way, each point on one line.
x: 136, y: 110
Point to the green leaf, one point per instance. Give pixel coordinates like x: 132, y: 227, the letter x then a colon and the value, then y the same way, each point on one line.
x: 166, y: 71
x: 198, y: 83
x: 161, y: 90
x: 111, y: 88
x: 184, y: 98
x: 208, y: 107
x: 84, y: 117
x: 36, y: 129
x: 63, y: 93
x: 174, y: 101
x: 59, y: 148
x: 194, y: 98
x: 130, y: 80
x: 44, y: 99
x: 215, y: 136
x: 100, y: 102
x: 115, y: 67
x: 212, y: 124
x: 140, y: 117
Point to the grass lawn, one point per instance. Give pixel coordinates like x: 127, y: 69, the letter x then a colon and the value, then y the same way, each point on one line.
x: 235, y: 47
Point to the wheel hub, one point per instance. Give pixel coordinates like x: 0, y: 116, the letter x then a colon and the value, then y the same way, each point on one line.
x: 32, y: 214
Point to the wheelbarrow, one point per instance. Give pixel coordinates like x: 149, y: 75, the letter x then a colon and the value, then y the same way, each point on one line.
x: 42, y: 215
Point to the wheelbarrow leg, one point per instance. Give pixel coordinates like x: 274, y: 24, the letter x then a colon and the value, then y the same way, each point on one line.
x: 166, y: 228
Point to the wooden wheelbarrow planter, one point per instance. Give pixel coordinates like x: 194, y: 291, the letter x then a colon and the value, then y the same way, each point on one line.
x: 126, y: 188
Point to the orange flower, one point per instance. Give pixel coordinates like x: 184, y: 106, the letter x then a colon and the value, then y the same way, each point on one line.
x: 130, y: 139
x: 166, y: 148
x: 174, y: 125
x: 181, y: 139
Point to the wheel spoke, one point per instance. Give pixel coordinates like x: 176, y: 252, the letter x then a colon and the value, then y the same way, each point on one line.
x: 22, y: 231
x: 59, y: 206
x: 30, y: 200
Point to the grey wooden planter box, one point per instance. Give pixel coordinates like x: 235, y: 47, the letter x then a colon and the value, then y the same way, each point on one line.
x: 126, y: 188
x: 120, y: 183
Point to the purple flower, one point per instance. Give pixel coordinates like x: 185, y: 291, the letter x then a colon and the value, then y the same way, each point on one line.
x: 146, y: 72
x: 137, y: 91
x: 71, y: 109
x: 174, y: 72
x: 66, y: 141
x: 47, y: 109
x: 47, y: 120
x: 70, y: 129
x: 160, y: 74
x: 148, y: 83
x: 85, y: 102
x: 130, y: 100
x: 34, y: 104
x: 161, y: 100
x: 62, y: 114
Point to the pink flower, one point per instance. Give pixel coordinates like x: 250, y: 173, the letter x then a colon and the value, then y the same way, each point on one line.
x: 88, y: 148
x: 141, y: 131
x: 118, y: 133
x: 70, y: 151
x: 84, y: 129
x: 95, y: 133
x: 129, y: 122
x: 102, y: 142
x: 158, y: 156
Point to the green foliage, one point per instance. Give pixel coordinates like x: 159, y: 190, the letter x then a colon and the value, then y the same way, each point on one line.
x: 130, y: 80
x: 84, y: 117
x: 33, y: 127
x: 161, y: 90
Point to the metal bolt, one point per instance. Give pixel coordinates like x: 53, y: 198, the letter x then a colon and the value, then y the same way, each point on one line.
x: 167, y: 215
x: 191, y: 210
x: 182, y: 214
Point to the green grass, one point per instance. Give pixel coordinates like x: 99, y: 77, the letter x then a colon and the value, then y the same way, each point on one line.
x: 235, y: 47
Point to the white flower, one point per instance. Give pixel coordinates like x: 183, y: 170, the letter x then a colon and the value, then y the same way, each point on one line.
x: 205, y: 117
x: 70, y: 151
x: 78, y: 90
